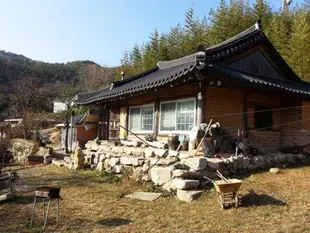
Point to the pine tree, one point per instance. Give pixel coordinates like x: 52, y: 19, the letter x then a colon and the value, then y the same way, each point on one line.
x: 220, y: 22
x: 279, y: 32
x: 227, y: 21
x: 136, y: 58
x: 163, y: 49
x: 154, y: 45
x: 175, y: 37
x: 147, y: 58
x: 262, y: 10
x: 300, y: 46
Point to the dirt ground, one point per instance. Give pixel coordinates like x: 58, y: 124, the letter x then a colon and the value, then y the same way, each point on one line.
x: 271, y: 203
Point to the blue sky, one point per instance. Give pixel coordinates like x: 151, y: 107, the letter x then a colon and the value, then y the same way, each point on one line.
x: 97, y: 30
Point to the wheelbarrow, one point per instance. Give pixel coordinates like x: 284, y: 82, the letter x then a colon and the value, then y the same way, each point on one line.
x: 227, y: 192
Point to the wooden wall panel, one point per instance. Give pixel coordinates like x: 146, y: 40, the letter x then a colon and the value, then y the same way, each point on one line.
x: 292, y: 116
x: 306, y: 114
x: 222, y: 101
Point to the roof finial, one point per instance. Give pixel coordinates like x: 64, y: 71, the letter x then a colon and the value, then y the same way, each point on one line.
x: 123, y: 75
x: 258, y: 24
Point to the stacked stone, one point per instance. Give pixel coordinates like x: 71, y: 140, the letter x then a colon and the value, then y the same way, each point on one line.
x: 21, y: 149
x: 177, y: 171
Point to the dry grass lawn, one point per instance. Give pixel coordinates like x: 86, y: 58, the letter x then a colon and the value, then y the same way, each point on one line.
x: 281, y: 204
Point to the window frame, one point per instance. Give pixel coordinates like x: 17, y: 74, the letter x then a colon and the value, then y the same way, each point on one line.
x: 176, y: 101
x: 153, y: 122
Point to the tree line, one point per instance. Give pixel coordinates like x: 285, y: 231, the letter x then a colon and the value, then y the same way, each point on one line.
x: 288, y: 29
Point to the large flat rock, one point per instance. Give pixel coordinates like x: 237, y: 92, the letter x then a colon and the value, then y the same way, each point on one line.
x: 196, y: 164
x: 160, y: 175
x: 179, y: 173
x: 188, y: 196
x: 185, y: 184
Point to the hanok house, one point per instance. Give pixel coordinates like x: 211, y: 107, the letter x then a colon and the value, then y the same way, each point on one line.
x: 233, y: 83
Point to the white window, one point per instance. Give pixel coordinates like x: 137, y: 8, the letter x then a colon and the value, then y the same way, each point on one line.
x: 141, y: 118
x: 177, y: 116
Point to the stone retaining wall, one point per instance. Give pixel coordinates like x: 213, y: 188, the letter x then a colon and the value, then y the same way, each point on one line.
x: 297, y: 137
x: 176, y: 170
x: 21, y: 149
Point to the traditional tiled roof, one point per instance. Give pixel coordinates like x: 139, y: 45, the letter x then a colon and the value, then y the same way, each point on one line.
x: 153, y: 79
x: 255, y: 80
x: 180, y: 70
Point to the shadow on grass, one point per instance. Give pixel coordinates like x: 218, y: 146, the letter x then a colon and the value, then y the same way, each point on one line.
x: 114, y: 222
x: 76, y: 180
x: 23, y: 200
x: 252, y: 200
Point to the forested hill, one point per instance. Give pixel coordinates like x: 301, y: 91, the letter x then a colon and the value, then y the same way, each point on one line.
x: 52, y: 80
x: 288, y: 29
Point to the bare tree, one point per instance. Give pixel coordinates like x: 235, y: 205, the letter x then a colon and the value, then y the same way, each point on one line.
x: 27, y: 97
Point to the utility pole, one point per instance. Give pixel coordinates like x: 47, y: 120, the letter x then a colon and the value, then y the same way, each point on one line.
x: 285, y: 4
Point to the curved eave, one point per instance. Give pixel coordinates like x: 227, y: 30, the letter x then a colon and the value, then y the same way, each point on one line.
x: 242, y: 77
x: 142, y: 86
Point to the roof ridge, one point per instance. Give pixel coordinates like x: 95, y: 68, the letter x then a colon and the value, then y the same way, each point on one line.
x: 179, y: 61
x: 257, y: 27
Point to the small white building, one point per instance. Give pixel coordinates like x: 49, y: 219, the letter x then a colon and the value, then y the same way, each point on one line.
x: 13, y: 122
x: 59, y: 107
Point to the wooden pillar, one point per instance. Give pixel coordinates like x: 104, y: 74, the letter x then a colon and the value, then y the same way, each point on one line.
x: 199, y: 110
x: 123, y: 122
x: 156, y: 117
x: 244, y: 113
x: 245, y: 122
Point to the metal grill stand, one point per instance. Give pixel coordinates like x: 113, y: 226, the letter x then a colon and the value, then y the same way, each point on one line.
x: 46, y: 193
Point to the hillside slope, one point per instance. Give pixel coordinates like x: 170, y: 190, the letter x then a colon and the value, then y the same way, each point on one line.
x: 81, y: 75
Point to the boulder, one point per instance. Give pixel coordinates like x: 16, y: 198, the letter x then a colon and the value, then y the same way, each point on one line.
x: 58, y: 163
x: 282, y: 158
x: 114, y: 161
x: 216, y: 164
x: 183, y: 156
x: 160, y: 175
x: 196, y: 163
x: 163, y: 161
x: 78, y: 158
x: 145, y: 167
x: 160, y: 153
x: 149, y: 152
x: 188, y: 196
x: 106, y: 163
x: 117, y: 149
x: 179, y: 165
x: 169, y: 186
x: 253, y: 167
x: 94, y: 146
x: 246, y: 162
x: 138, y: 151
x: 146, y: 177
x: 274, y: 170
x: 173, y: 153
x: 117, y: 169
x: 100, y: 166
x: 126, y: 160
x: 178, y: 173
x: 128, y: 150
x: 185, y: 184
x: 185, y: 174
